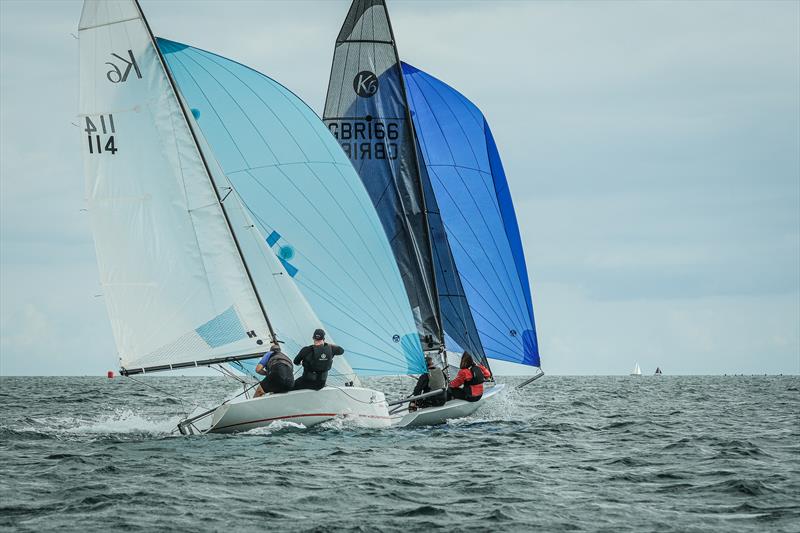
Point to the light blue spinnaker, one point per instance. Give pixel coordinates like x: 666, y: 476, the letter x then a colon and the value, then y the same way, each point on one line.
x: 309, y: 203
x: 472, y: 193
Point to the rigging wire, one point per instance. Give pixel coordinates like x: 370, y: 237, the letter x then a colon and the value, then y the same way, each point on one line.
x: 162, y: 391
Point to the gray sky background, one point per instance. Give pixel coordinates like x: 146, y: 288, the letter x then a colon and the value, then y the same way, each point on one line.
x: 652, y: 149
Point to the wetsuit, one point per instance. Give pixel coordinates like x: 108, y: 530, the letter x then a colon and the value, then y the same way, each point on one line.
x: 472, y: 379
x: 316, y: 361
x: 280, y: 372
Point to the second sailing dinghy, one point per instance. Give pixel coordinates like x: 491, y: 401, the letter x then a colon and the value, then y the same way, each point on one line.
x: 430, y: 164
x: 189, y: 273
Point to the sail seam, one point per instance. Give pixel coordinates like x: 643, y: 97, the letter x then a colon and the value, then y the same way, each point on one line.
x: 245, y: 114
x: 107, y: 24
x: 494, y: 201
x: 467, y: 254
x: 298, y: 221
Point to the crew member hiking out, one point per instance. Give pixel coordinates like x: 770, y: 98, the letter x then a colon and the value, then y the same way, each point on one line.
x: 432, y: 380
x: 279, y: 372
x: 471, y: 376
x: 317, y: 360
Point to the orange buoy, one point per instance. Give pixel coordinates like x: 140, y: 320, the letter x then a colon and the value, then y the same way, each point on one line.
x: 110, y: 374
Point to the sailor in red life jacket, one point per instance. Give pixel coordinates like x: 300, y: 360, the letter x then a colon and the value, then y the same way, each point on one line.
x: 471, y: 376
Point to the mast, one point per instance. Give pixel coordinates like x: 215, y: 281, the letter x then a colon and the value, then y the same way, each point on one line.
x: 437, y: 303
x: 172, y: 83
x: 384, y: 151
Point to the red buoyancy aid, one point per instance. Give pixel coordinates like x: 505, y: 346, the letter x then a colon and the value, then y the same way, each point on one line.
x: 473, y: 388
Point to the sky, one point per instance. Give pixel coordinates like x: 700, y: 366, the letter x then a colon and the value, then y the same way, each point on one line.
x: 652, y: 150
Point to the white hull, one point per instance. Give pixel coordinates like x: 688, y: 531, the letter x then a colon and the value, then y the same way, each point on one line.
x: 432, y: 416
x: 366, y: 406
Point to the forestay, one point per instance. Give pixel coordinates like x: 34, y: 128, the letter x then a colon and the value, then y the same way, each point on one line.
x: 308, y: 205
x: 366, y: 111
x: 474, y: 201
x: 175, y: 285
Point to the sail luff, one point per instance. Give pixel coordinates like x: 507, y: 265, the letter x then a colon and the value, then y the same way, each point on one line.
x: 416, y: 157
x: 208, y: 170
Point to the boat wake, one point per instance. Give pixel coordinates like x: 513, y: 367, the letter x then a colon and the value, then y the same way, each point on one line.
x: 118, y: 422
x: 277, y: 425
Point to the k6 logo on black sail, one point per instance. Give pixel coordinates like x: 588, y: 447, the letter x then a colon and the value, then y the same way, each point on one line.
x: 365, y: 84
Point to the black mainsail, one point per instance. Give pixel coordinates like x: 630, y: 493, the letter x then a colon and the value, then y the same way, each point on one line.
x: 366, y: 110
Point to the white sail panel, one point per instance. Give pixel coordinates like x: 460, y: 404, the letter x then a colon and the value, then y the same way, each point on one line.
x: 175, y: 285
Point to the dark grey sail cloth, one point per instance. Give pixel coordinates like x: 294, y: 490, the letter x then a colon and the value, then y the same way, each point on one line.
x: 366, y: 110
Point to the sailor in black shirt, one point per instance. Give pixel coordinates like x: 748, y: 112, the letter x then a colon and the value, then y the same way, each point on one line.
x: 317, y: 360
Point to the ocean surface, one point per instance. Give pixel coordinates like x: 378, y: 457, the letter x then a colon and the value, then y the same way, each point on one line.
x: 563, y: 454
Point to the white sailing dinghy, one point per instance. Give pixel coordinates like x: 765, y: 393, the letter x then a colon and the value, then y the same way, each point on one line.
x: 636, y: 370
x: 190, y: 275
x: 427, y: 157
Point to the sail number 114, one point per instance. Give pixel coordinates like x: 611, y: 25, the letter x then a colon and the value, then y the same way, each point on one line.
x: 100, y: 134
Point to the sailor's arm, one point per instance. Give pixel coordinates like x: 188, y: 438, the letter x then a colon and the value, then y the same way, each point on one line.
x: 459, y: 380
x: 261, y: 367
x: 299, y: 357
x: 336, y: 349
x: 422, y: 382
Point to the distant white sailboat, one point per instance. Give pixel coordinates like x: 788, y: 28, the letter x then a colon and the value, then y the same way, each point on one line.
x: 636, y: 370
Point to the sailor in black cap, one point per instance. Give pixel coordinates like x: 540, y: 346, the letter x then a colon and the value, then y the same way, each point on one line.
x: 317, y: 360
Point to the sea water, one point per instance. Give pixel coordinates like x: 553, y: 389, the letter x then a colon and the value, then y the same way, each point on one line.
x: 565, y: 453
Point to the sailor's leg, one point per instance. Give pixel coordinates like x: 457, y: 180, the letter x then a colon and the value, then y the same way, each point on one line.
x: 262, y: 388
x: 455, y: 394
x: 300, y: 383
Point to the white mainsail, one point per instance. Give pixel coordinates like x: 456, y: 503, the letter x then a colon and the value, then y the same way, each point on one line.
x: 171, y: 258
x: 175, y: 285
x: 636, y: 370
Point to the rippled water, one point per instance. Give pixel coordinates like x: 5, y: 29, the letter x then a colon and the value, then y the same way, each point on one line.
x: 566, y: 453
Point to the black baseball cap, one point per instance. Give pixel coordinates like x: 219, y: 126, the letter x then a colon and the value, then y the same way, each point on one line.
x: 319, y: 334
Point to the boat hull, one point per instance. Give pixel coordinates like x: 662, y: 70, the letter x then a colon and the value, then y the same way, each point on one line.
x: 366, y: 407
x: 433, y: 416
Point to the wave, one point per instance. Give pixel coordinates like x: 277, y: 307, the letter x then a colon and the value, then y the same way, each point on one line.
x: 118, y: 422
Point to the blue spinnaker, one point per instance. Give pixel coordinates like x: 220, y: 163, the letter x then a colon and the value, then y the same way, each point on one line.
x: 309, y: 204
x: 475, y: 205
